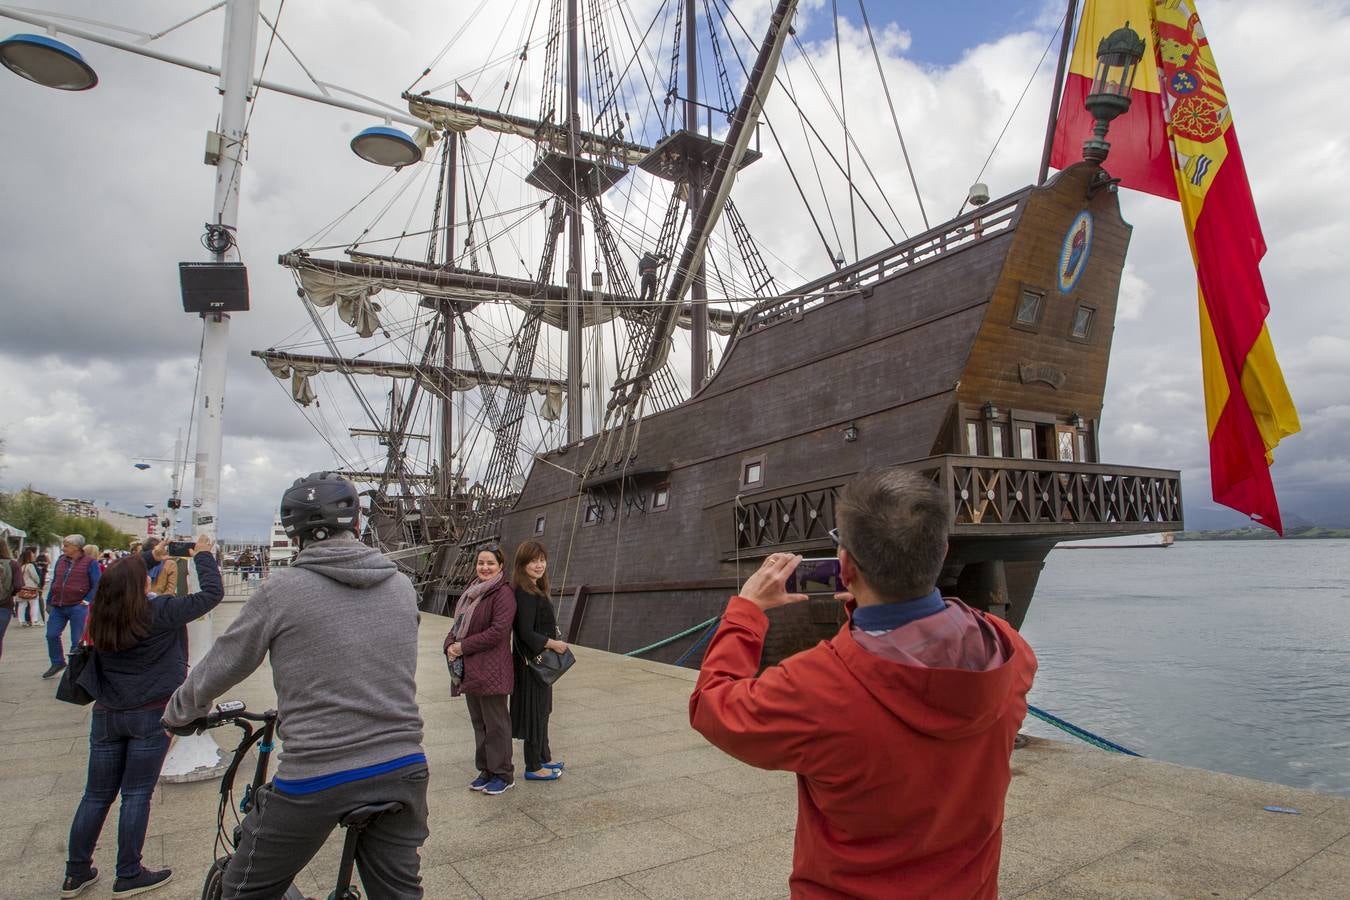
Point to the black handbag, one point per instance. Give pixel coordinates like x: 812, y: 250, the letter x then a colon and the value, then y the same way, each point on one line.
x: 70, y: 689
x: 550, y: 665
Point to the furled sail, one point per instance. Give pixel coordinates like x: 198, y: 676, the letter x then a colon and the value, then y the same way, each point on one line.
x: 351, y: 294
x: 439, y: 380
x: 351, y: 284
x: 452, y: 116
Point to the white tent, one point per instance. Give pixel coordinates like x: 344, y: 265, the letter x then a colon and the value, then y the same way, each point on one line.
x: 10, y: 533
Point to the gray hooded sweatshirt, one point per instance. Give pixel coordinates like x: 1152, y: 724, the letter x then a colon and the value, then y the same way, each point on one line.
x: 340, y: 625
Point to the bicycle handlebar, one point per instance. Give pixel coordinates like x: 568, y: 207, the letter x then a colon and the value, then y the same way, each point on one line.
x: 224, y: 714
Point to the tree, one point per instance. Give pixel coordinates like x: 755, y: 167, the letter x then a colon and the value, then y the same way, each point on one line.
x: 95, y: 531
x: 35, y: 513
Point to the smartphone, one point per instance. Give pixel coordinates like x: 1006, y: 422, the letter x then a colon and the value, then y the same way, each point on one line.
x: 180, y: 548
x: 816, y: 576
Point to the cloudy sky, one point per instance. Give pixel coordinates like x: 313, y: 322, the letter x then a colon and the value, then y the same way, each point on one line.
x: 105, y: 192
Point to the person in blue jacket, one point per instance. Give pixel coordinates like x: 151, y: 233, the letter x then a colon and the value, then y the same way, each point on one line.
x: 140, y: 658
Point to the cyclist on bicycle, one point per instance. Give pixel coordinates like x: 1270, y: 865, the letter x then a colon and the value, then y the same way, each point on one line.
x: 340, y: 627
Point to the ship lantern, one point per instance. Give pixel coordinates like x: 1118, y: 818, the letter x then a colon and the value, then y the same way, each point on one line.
x: 386, y: 146
x: 1118, y: 57
x: 1077, y: 421
x: 47, y: 62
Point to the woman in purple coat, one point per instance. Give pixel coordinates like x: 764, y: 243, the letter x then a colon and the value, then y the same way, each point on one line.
x: 478, y: 649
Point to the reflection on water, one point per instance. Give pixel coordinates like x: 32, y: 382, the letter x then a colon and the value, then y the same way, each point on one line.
x: 1232, y: 656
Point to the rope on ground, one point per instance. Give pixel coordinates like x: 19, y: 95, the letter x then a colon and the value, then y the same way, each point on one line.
x: 673, y: 638
x: 707, y: 636
x: 1081, y: 733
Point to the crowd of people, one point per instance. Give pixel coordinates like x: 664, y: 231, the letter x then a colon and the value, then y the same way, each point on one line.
x: 900, y: 729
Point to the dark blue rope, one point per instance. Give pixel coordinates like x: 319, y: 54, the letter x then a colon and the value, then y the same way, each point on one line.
x: 1080, y: 733
x: 707, y: 636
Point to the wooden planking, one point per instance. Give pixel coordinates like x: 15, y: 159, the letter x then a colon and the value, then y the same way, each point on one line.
x: 992, y: 372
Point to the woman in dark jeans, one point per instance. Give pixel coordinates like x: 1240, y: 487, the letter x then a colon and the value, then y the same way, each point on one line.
x: 139, y: 660
x: 536, y: 629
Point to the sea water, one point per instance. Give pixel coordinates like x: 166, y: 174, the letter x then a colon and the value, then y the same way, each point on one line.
x: 1224, y: 655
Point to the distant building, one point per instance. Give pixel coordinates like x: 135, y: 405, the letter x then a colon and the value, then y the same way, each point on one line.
x: 132, y: 524
x: 282, y: 548
x: 84, y: 509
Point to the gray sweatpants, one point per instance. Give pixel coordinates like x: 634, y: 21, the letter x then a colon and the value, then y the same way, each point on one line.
x: 283, y: 832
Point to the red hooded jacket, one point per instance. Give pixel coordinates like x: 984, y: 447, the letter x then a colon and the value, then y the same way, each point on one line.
x: 902, y: 767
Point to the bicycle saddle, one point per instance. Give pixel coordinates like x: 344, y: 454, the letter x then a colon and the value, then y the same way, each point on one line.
x: 363, y: 814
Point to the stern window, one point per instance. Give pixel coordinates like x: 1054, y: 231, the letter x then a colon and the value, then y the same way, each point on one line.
x: 539, y: 525
x: 1082, y: 323
x: 999, y: 435
x: 661, y: 497
x: 1029, y: 306
x: 752, y: 471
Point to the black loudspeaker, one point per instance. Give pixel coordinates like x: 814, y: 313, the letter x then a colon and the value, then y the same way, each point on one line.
x: 214, y: 287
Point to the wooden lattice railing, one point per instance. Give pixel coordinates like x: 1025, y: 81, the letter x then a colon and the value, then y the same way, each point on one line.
x: 990, y: 496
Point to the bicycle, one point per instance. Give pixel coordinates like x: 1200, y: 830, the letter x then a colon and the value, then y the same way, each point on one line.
x: 234, y: 712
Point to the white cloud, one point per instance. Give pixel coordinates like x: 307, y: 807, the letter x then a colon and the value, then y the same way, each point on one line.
x: 106, y: 191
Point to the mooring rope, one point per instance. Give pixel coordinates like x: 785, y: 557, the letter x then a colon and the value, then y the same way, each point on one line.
x: 1081, y: 733
x: 673, y: 638
x: 1049, y: 718
x: 707, y: 636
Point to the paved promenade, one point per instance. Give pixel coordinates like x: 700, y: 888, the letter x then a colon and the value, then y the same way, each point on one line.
x: 648, y: 809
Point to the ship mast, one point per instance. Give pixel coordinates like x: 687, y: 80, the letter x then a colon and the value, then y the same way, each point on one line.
x: 698, y: 296
x: 574, y: 404
x: 447, y: 445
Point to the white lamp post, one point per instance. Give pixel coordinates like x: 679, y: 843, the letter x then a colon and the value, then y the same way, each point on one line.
x: 51, y: 63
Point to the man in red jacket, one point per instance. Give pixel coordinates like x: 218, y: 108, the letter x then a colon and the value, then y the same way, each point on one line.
x: 900, y: 728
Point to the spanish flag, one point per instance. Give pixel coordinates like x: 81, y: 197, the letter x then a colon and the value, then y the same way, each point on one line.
x: 1180, y: 124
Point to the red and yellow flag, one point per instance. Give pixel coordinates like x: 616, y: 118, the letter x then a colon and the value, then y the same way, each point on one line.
x: 1140, y: 157
x: 1247, y: 404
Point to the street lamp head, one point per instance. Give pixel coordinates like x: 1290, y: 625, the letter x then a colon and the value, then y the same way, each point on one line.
x: 142, y: 466
x: 1118, y: 57
x: 47, y: 62
x: 386, y: 146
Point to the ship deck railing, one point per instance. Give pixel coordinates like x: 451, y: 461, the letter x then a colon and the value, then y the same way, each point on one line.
x: 975, y: 227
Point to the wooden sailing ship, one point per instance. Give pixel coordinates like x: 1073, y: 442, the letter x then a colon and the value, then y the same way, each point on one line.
x: 975, y: 352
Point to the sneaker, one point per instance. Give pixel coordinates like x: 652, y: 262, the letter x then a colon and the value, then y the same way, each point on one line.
x: 498, y: 786
x: 147, y: 880
x: 480, y: 782
x: 74, y: 885
x: 55, y: 669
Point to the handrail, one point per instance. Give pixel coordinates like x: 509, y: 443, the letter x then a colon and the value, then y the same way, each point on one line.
x: 964, y: 231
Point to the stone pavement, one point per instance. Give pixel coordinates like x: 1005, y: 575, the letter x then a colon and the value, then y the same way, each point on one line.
x: 648, y: 809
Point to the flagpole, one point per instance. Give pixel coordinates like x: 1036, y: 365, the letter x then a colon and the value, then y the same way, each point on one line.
x: 1066, y: 41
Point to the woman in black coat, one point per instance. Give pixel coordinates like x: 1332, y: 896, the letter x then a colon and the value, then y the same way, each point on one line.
x: 140, y: 658
x: 536, y: 629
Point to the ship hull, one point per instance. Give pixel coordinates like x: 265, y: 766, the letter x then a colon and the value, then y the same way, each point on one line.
x: 924, y: 356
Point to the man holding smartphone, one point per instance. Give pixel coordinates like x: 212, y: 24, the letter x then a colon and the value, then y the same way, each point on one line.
x: 900, y: 729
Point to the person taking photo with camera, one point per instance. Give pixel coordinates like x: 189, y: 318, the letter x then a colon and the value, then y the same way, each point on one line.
x: 340, y: 628
x: 900, y: 729
x: 140, y: 657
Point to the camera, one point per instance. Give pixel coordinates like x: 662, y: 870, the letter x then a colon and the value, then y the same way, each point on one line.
x: 816, y: 576
x: 181, y: 548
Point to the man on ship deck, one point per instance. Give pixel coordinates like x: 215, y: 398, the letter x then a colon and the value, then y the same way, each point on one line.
x: 900, y: 729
